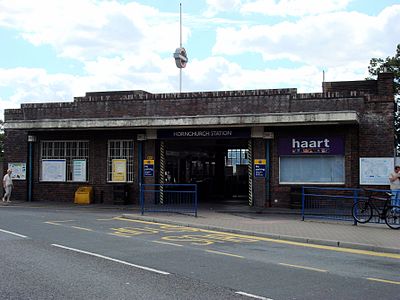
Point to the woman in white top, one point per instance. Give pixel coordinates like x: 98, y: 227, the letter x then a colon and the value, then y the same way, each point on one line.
x: 8, y: 185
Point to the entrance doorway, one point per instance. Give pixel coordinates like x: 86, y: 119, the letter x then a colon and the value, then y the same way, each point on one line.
x: 218, y: 167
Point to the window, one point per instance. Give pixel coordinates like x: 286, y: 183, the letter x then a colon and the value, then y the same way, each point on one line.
x: 236, y: 157
x: 59, y: 158
x: 312, y: 169
x: 120, y: 161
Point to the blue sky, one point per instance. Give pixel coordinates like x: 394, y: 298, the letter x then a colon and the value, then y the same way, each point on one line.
x: 54, y: 50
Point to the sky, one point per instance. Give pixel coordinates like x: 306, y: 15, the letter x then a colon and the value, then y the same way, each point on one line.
x: 55, y: 50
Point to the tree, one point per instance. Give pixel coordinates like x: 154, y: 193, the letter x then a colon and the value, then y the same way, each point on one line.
x: 390, y: 64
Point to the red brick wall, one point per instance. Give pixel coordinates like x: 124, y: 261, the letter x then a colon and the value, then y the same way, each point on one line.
x: 373, y: 137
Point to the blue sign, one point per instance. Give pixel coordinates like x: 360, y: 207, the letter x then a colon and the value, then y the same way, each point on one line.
x: 260, y: 167
x: 148, y: 168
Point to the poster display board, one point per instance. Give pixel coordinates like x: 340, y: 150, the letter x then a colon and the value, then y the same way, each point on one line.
x: 54, y: 170
x: 118, y: 170
x: 18, y: 170
x: 79, y: 170
x: 375, y: 170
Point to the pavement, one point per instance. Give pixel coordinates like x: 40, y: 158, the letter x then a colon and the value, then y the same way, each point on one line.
x: 282, y: 224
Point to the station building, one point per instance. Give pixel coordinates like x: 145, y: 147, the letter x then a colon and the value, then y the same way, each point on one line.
x: 246, y: 146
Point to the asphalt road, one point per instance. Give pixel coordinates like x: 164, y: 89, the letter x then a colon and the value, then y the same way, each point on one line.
x: 48, y: 253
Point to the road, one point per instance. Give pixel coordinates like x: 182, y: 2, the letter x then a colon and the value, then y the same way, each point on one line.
x: 49, y: 253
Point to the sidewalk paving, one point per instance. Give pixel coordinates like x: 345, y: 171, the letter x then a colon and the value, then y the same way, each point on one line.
x: 271, y: 223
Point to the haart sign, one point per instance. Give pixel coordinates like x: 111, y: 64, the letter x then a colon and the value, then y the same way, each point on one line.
x: 311, y: 145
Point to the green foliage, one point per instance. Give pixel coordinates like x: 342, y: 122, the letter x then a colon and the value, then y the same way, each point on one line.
x: 389, y: 64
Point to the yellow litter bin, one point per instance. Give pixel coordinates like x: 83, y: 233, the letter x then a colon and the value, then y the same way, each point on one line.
x: 84, y: 195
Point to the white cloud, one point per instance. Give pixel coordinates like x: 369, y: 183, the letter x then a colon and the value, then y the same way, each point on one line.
x: 285, y: 8
x: 128, y: 47
x: 281, y: 8
x: 216, y: 6
x: 83, y: 29
x: 324, y: 40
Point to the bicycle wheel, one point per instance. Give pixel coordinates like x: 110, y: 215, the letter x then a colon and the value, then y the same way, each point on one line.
x: 362, y: 211
x: 392, y: 217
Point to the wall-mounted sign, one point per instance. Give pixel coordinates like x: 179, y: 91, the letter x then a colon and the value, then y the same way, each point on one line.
x: 331, y: 145
x: 118, y: 170
x: 375, y: 170
x: 205, y: 133
x: 260, y: 166
x: 18, y: 170
x: 148, y: 168
x: 79, y: 170
x: 54, y: 170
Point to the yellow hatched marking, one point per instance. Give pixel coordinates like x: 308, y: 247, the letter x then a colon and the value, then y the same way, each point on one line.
x: 384, y: 281
x: 209, y: 239
x: 303, y: 267
x: 133, y: 231
x: 265, y: 239
x: 166, y: 243
x: 224, y: 253
x: 82, y: 228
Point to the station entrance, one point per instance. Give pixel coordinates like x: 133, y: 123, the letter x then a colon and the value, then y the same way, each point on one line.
x: 219, y: 167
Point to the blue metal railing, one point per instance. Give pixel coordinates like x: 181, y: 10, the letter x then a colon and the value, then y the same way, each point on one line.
x: 176, y: 198
x: 336, y: 203
x: 328, y: 203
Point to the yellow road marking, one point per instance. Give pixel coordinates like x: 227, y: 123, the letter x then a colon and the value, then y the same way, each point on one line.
x: 166, y: 243
x: 224, y: 253
x: 303, y: 267
x: 264, y: 239
x: 81, y: 228
x: 383, y: 280
x: 108, y: 219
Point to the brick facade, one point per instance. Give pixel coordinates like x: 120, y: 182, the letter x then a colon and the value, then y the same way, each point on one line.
x: 372, y: 100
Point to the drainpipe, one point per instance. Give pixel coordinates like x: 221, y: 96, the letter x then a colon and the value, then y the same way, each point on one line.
x: 267, y: 175
x: 31, y: 141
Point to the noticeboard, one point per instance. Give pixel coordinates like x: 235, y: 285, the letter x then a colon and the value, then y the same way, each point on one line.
x: 118, y: 170
x: 79, y: 170
x: 375, y: 170
x: 54, y: 170
x: 18, y: 170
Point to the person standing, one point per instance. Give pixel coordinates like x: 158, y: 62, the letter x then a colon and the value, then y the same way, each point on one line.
x: 394, y: 179
x: 8, y: 185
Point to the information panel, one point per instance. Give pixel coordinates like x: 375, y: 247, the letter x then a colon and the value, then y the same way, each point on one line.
x: 148, y: 168
x: 79, y: 170
x: 119, y: 170
x: 375, y: 170
x: 53, y: 170
x: 18, y: 170
x: 260, y: 167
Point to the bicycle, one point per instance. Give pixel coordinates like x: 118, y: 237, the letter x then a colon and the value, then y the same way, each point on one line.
x: 363, y: 211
